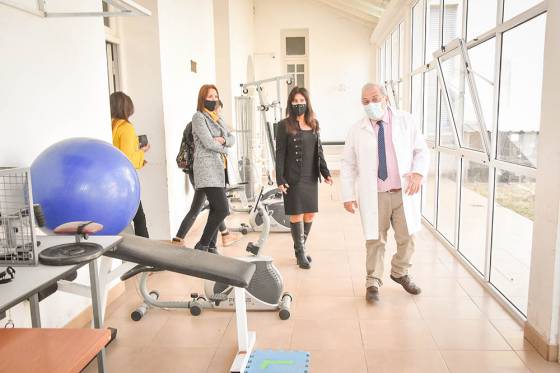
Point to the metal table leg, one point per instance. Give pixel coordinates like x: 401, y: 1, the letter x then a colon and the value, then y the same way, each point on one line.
x: 35, y: 312
x: 96, y: 307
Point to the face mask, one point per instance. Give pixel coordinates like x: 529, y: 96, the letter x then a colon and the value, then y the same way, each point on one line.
x: 299, y: 109
x: 210, y: 105
x: 375, y: 110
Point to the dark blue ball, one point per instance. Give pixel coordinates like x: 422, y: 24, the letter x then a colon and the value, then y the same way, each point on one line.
x: 84, y: 179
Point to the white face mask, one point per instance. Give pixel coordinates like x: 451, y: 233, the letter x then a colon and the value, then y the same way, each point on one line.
x: 375, y: 110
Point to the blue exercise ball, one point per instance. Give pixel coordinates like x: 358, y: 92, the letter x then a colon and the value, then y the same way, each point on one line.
x: 83, y: 179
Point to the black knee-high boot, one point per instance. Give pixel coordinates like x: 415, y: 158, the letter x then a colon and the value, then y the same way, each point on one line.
x: 298, y: 236
x: 306, y: 230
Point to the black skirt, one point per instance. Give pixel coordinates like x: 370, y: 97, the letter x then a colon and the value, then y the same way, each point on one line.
x: 303, y: 197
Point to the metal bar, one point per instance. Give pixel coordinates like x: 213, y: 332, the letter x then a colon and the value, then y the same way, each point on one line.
x: 96, y: 308
x: 89, y: 14
x: 259, y: 82
x: 35, y: 310
x: 245, y: 339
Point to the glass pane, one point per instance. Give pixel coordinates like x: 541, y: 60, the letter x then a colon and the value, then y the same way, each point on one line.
x: 429, y: 190
x: 452, y: 20
x: 447, y: 196
x: 514, y: 211
x: 395, y: 46
x: 520, y: 92
x: 462, y: 107
x: 482, y: 59
x: 382, y: 63
x: 291, y: 68
x: 433, y: 29
x: 106, y: 20
x: 300, y: 80
x: 417, y: 98
x: 417, y: 35
x: 446, y: 132
x: 514, y: 7
x: 401, y: 52
x: 388, y: 59
x: 481, y: 17
x: 474, y: 210
x: 430, y: 104
x: 300, y: 68
x: 295, y: 46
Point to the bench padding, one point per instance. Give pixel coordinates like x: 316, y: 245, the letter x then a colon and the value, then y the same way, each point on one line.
x: 190, y: 262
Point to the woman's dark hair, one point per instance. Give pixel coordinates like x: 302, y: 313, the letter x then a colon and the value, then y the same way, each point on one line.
x: 202, y: 95
x: 309, y: 116
x: 121, y: 106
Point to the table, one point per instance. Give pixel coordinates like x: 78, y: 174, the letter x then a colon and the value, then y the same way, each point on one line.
x: 50, y: 350
x: 32, y: 279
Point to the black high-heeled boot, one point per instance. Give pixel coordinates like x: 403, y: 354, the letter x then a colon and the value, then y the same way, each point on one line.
x: 299, y: 244
x: 306, y: 230
x: 201, y: 247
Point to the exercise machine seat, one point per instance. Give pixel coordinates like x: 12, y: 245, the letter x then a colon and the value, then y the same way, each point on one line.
x: 196, y: 263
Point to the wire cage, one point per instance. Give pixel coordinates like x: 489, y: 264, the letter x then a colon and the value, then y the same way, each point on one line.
x: 18, y: 246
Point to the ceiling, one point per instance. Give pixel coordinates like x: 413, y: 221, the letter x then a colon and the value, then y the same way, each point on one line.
x: 366, y: 11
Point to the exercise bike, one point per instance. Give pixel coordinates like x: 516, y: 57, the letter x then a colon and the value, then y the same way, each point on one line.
x: 273, y: 203
x: 264, y: 293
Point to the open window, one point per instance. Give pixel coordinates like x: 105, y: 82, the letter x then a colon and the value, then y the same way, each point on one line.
x: 462, y: 113
x: 392, y: 88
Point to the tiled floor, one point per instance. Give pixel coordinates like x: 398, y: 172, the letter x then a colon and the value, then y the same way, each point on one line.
x: 454, y: 325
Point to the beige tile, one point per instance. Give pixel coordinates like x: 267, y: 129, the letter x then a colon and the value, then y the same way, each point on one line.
x: 325, y: 308
x: 338, y: 361
x: 536, y: 363
x: 483, y: 361
x: 396, y: 335
x: 138, y: 333
x: 513, y: 333
x: 176, y: 359
x: 222, y: 359
x: 120, y: 358
x: 472, y: 287
x: 466, y: 335
x: 491, y: 308
x: 439, y: 287
x: 405, y: 361
x: 272, y: 333
x: 324, y: 285
x: 448, y: 308
x: 388, y: 308
x: 182, y: 330
x: 326, y: 334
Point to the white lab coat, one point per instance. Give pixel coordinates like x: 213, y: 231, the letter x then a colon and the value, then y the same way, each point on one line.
x: 359, y: 169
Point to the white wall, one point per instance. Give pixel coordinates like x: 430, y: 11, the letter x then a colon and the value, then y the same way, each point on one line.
x: 141, y: 80
x: 339, y: 58
x: 53, y: 86
x: 186, y: 33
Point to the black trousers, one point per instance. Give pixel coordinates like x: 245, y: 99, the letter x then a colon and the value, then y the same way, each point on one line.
x: 219, y: 209
x: 197, y: 205
x: 140, y: 227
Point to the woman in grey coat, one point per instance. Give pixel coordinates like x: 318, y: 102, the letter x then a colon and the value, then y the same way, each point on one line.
x: 211, y: 140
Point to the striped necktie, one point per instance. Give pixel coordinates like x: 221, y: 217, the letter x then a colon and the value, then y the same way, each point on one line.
x: 382, y: 170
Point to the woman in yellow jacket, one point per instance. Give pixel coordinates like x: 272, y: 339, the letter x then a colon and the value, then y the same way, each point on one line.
x: 125, y: 139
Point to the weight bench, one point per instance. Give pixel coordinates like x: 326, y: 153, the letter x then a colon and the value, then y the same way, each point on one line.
x: 153, y: 255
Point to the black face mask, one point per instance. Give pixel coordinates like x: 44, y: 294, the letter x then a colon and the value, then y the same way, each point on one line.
x: 299, y: 109
x: 210, y: 105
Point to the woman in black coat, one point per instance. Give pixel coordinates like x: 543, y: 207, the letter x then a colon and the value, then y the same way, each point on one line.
x: 299, y: 166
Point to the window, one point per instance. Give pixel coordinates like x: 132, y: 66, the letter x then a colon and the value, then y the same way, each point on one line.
x: 392, y: 69
x: 481, y: 17
x: 514, y: 210
x: 474, y: 211
x: 112, y: 67
x: 418, y: 35
x: 520, y: 92
x: 514, y: 7
x: 478, y: 101
x: 295, y: 44
x: 452, y: 20
x: 433, y: 28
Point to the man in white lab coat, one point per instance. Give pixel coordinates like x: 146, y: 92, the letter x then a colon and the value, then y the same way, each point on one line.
x: 385, y: 162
